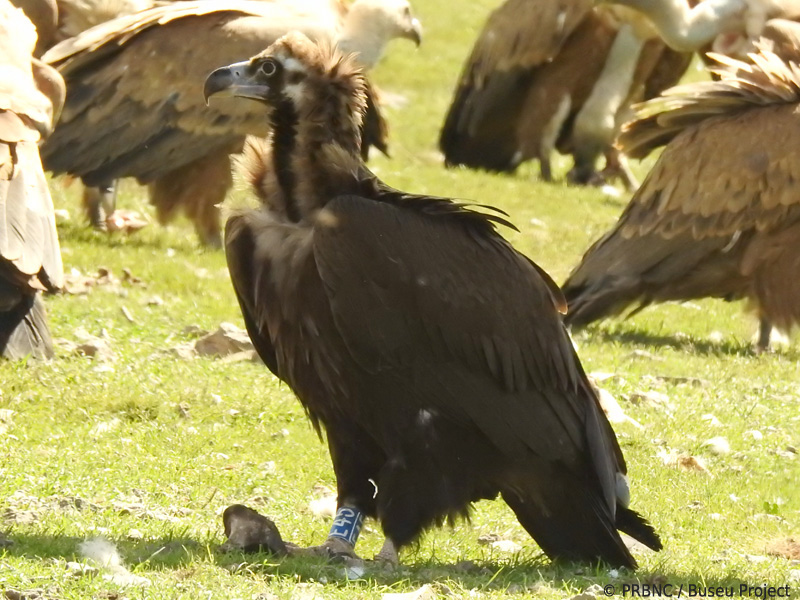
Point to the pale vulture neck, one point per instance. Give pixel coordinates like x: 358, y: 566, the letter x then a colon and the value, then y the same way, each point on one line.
x: 364, y: 36
x: 689, y: 29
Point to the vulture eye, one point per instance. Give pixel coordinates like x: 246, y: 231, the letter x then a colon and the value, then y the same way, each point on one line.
x: 268, y: 67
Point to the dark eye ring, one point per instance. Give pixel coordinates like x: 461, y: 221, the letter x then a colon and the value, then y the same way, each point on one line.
x: 268, y: 68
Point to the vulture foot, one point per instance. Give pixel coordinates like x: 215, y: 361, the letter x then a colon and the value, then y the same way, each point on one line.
x: 99, y: 203
x: 388, y: 555
x: 333, y: 549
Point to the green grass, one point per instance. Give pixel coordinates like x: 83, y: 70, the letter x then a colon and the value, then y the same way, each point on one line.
x: 155, y: 446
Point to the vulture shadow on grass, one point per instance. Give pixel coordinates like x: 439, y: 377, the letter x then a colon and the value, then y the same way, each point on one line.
x: 637, y: 336
x: 147, y: 559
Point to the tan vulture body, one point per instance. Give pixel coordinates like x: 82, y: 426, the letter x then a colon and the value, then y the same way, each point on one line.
x: 30, y: 259
x: 135, y: 105
x: 533, y: 71
x: 431, y: 352
x: 719, y: 214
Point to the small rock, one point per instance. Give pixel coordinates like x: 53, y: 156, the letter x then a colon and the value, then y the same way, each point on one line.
x: 426, y: 592
x: 718, y: 446
x: 184, y: 351
x: 324, y: 507
x: 61, y: 215
x: 97, y: 348
x: 638, y: 353
x: 584, y: 596
x: 154, y: 301
x: 135, y: 534
x: 488, y: 538
x: 228, y: 339
x: 652, y: 399
x: 755, y: 434
x: 77, y: 568
x: 711, y: 420
x: 506, y: 546
x: 194, y: 331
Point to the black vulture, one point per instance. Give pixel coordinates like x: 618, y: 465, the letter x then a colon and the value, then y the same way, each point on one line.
x: 430, y: 351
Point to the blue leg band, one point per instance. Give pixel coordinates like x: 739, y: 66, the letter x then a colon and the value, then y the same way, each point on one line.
x: 347, y: 524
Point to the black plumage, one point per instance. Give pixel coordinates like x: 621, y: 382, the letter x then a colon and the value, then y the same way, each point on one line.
x: 430, y: 351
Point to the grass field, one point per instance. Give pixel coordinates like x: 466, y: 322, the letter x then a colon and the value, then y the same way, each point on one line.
x: 146, y: 448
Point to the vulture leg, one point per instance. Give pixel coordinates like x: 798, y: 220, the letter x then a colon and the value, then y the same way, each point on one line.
x: 550, y: 137
x: 764, y: 334
x: 617, y: 166
x: 198, y: 188
x: 388, y: 554
x: 99, y: 202
x: 23, y: 325
x: 357, y: 460
x: 595, y: 126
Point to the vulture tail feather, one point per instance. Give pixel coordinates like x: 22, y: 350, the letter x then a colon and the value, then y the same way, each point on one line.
x: 24, y: 330
x: 568, y: 521
x: 636, y: 526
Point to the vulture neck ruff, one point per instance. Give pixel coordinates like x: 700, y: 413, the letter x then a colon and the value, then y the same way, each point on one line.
x: 316, y: 141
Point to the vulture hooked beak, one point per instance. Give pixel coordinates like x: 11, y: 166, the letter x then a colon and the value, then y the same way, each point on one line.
x: 240, y: 79
x: 414, y: 33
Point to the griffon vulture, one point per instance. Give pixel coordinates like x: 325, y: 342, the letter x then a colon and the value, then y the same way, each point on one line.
x: 30, y: 259
x: 135, y: 107
x: 430, y: 351
x: 553, y: 74
x: 726, y: 26
x: 719, y: 214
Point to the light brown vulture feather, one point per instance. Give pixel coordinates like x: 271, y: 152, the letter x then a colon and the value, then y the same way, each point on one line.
x: 30, y: 259
x: 135, y: 105
x: 719, y: 214
x: 530, y: 73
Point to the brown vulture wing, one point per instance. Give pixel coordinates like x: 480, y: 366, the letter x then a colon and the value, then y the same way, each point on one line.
x: 691, y: 229
x: 518, y: 37
x: 148, y: 69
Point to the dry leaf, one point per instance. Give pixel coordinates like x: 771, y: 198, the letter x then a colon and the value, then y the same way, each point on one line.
x: 788, y: 548
x: 683, y: 461
x: 125, y: 221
